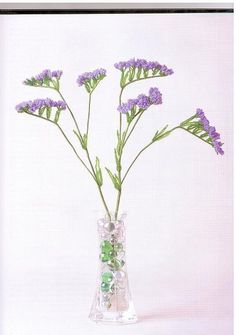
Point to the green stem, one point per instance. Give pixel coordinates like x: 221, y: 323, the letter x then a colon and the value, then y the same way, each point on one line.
x: 132, y: 129
x: 137, y: 156
x: 140, y: 152
x: 99, y: 187
x: 93, y: 174
x: 69, y: 109
x: 119, y: 172
x: 87, y: 152
x: 71, y: 145
x: 149, y: 144
x: 195, y: 135
x: 90, y: 161
x: 133, y: 81
x: 89, y: 110
x: 120, y: 130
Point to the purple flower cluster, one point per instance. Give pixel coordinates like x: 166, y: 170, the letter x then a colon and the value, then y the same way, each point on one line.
x: 45, y: 74
x: 143, y: 64
x: 211, y: 131
x: 142, y: 101
x: 32, y: 106
x: 155, y: 96
x: 87, y: 76
x: 48, y: 74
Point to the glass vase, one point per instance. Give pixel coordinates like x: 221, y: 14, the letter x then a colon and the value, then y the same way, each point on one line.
x: 112, y: 303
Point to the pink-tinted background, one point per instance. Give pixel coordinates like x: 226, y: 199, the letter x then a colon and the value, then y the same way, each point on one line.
x: 178, y: 198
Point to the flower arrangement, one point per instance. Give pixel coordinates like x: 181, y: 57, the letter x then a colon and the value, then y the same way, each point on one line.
x: 130, y: 113
x: 113, y: 290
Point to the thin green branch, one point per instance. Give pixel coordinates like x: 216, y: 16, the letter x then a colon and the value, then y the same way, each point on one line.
x: 99, y: 187
x: 136, y: 157
x: 88, y: 117
x: 93, y: 174
x: 71, y: 113
x: 120, y: 130
x: 149, y: 144
x: 119, y: 171
x: 63, y: 133
x: 133, y: 81
x: 195, y: 135
x: 57, y: 89
x: 132, y: 129
x: 140, y: 152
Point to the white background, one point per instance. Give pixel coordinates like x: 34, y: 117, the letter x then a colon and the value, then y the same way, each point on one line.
x: 178, y: 197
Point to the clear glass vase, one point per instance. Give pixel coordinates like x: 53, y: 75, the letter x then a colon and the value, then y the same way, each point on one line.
x: 112, y: 302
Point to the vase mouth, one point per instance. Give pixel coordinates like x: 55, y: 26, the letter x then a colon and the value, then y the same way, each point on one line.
x: 116, y: 222
x: 112, y: 217
x: 110, y: 227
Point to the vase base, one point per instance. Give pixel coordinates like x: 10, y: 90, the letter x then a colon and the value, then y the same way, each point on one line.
x: 114, y: 318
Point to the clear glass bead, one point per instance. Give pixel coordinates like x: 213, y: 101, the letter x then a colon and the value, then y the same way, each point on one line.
x: 112, y: 302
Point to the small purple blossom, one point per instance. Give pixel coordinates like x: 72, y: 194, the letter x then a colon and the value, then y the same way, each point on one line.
x: 155, y: 96
x: 126, y: 107
x: 142, y: 101
x: 97, y: 74
x: 143, y: 64
x: 57, y: 74
x: 32, y: 106
x: 215, y: 137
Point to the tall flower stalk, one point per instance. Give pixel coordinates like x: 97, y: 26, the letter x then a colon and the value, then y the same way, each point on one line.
x: 130, y: 113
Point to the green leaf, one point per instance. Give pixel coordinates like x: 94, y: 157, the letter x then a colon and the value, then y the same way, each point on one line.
x: 159, y: 133
x: 87, y: 86
x: 46, y: 81
x: 131, y: 115
x: 55, y: 83
x: 115, y: 179
x: 204, y: 135
x: 57, y: 115
x: 145, y: 73
x: 118, y: 165
x: 155, y: 72
x: 124, y: 77
x: 128, y: 118
x: 187, y: 121
x: 83, y: 139
x: 48, y: 112
x: 41, y: 111
x: 98, y: 172
x: 160, y: 137
x: 139, y: 73
x: 131, y: 74
x: 119, y: 143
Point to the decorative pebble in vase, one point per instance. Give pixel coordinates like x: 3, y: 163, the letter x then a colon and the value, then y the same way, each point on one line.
x: 112, y: 302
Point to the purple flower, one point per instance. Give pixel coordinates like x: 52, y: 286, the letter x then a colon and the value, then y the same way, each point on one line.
x: 57, y: 74
x: 45, y: 74
x: 120, y: 65
x: 143, y: 64
x: 97, y: 74
x: 142, y: 101
x: 165, y: 71
x: 126, y: 107
x: 155, y: 96
x: 214, y: 136
x: 32, y: 106
x: 23, y: 105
